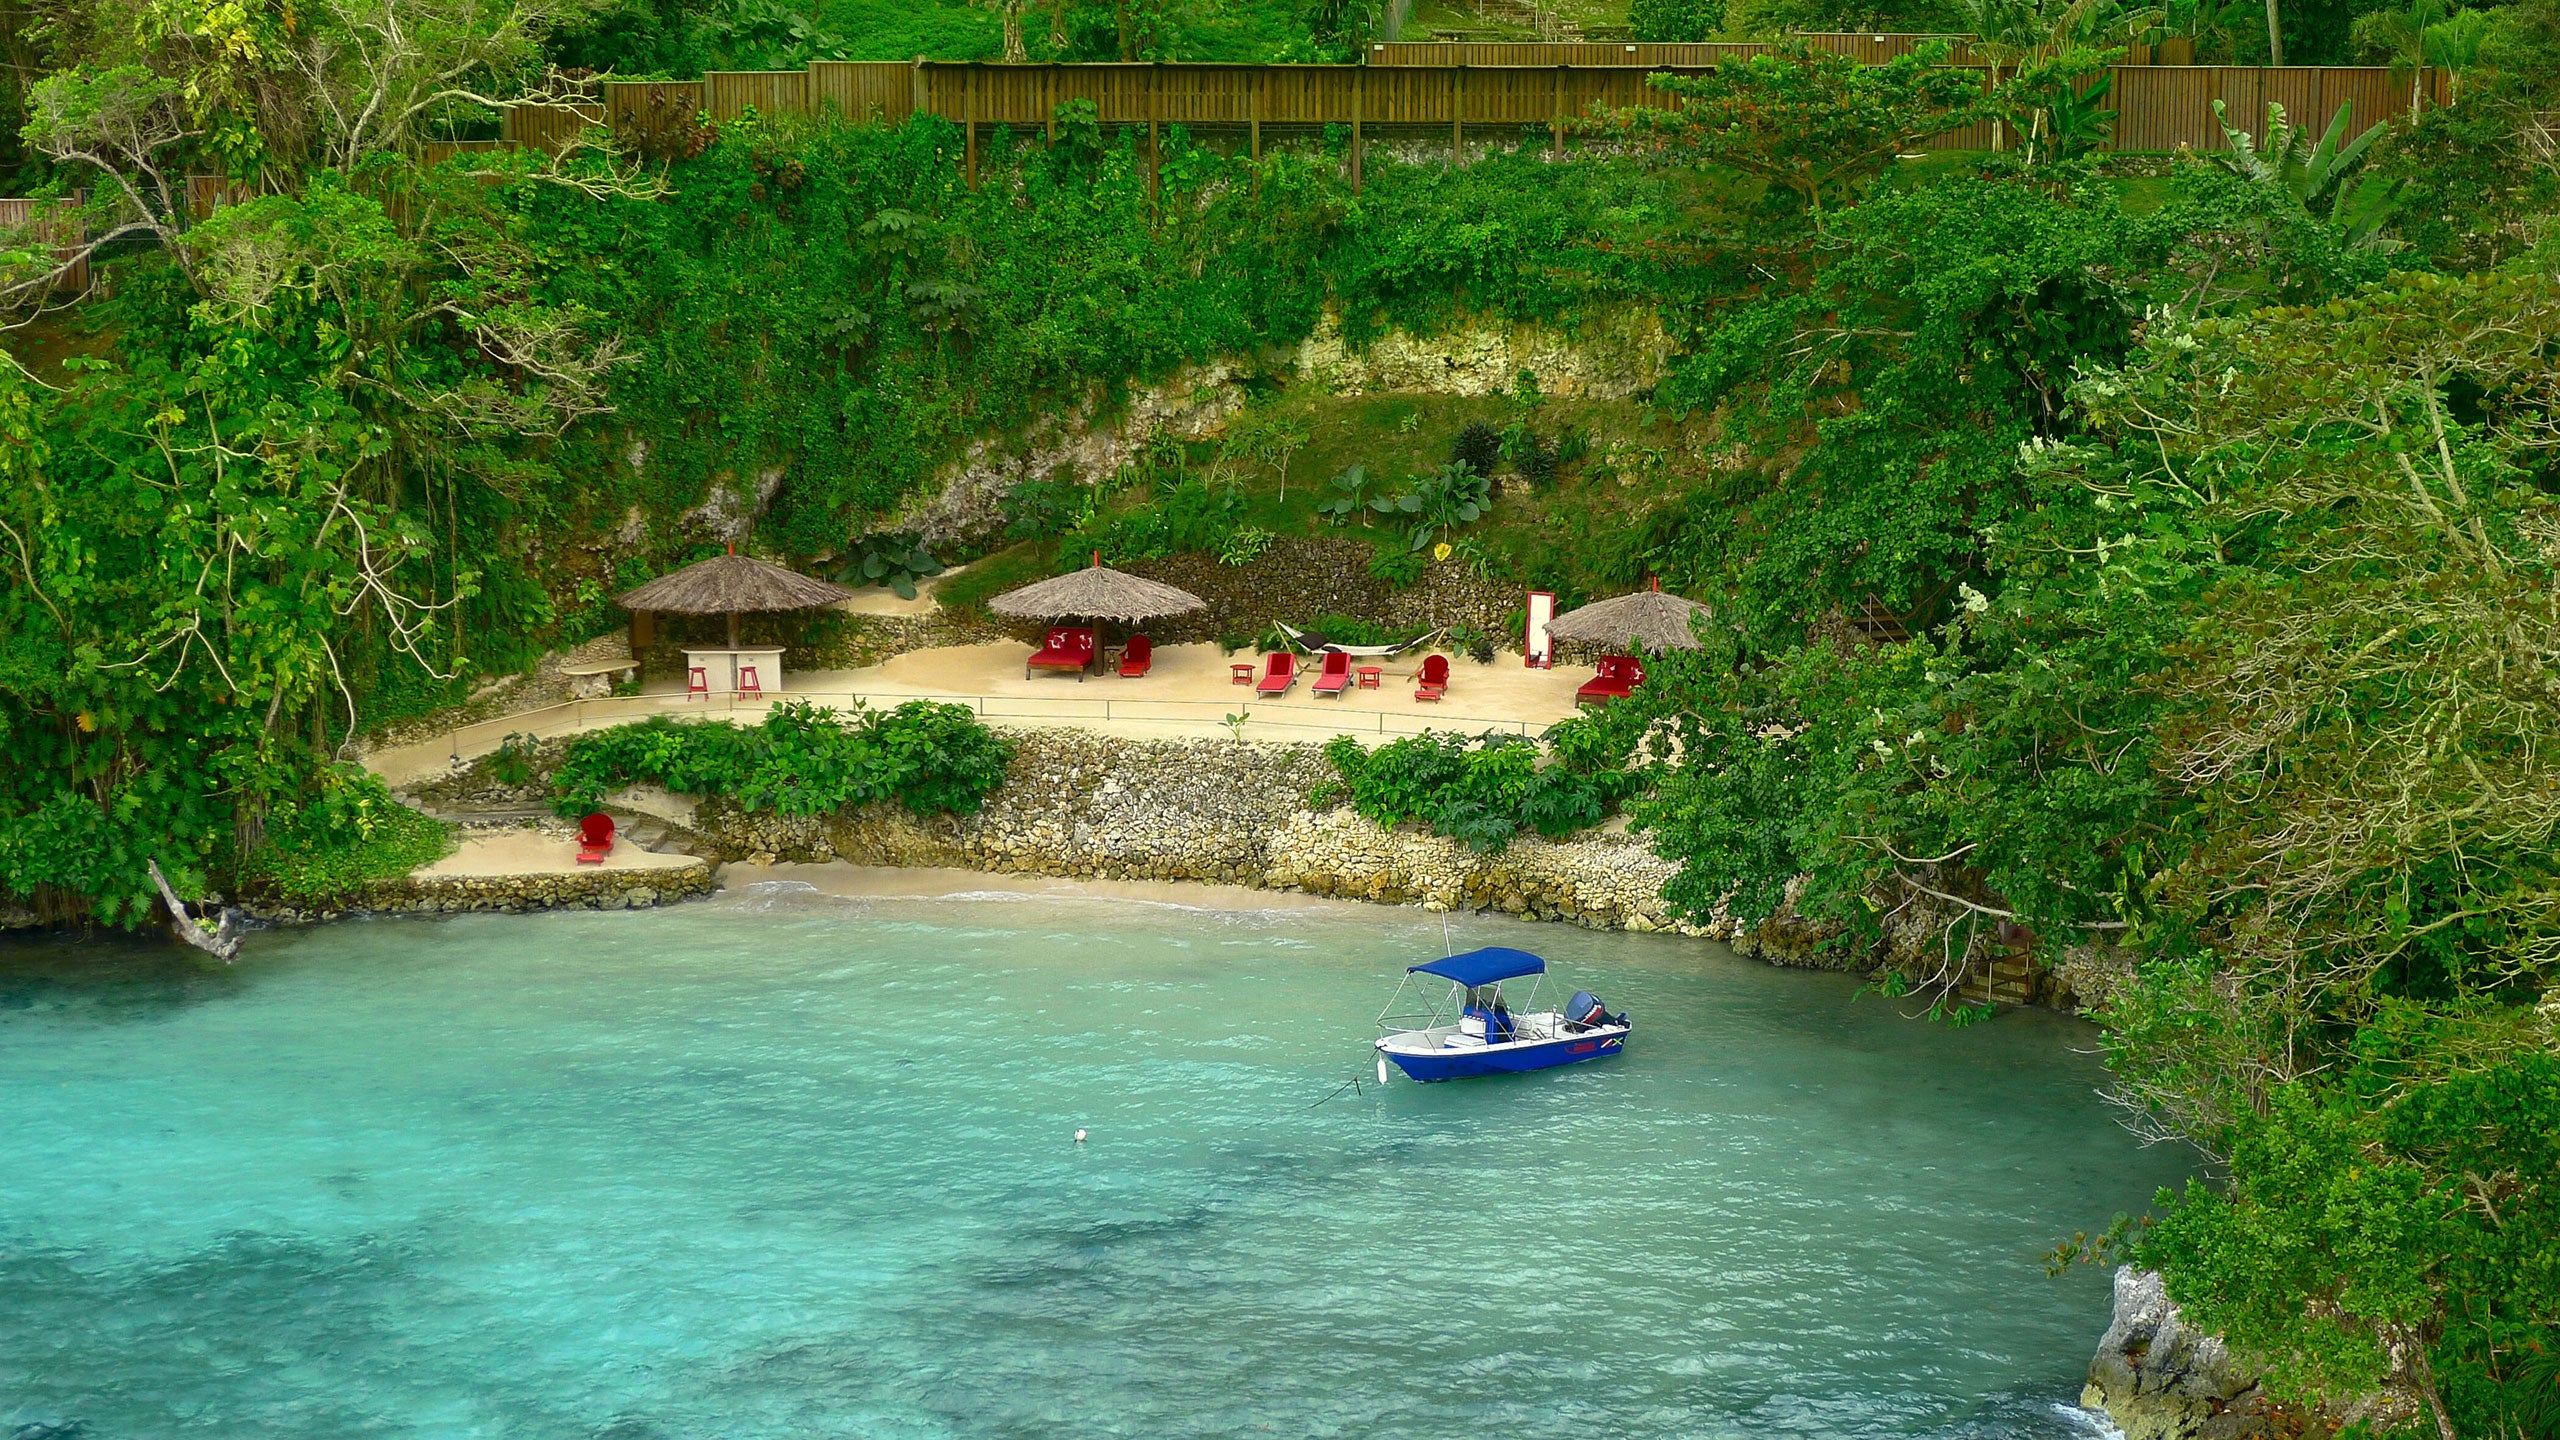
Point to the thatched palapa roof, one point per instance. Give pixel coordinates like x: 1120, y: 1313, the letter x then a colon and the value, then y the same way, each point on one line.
x: 732, y: 585
x: 1096, y: 593
x: 1650, y: 618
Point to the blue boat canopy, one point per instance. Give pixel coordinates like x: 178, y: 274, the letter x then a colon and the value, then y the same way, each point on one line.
x: 1482, y: 967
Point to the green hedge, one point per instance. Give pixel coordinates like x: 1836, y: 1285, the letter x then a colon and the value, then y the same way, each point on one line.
x: 1483, y: 791
x: 802, y: 760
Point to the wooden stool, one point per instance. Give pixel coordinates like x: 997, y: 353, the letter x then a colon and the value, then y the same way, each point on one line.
x: 697, y: 681
x: 1240, y: 672
x: 1369, y: 675
x: 747, y: 684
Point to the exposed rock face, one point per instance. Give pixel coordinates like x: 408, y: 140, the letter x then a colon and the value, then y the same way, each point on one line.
x: 1612, y: 355
x: 966, y: 502
x: 2160, y: 1380
x: 1617, y: 355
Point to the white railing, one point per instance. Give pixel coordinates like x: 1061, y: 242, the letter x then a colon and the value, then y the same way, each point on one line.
x: 571, y: 716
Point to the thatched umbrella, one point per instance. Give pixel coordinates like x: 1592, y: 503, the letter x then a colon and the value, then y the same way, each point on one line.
x: 1650, y: 618
x: 732, y: 585
x: 1097, y: 593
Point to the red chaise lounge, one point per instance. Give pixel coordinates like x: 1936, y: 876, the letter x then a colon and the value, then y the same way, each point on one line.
x: 1432, y: 681
x: 1619, y: 676
x: 1070, y: 647
x: 1279, y: 672
x: 1136, y: 656
x: 1336, y: 676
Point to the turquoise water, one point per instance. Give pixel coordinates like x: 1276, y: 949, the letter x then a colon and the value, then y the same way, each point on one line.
x: 787, y: 1165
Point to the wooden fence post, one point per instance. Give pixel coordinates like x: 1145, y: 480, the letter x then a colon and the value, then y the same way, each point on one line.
x: 1049, y: 109
x: 1559, y: 119
x: 916, y: 103
x: 1359, y: 95
x: 1253, y: 82
x: 1155, y: 108
x: 969, y: 108
x: 1457, y: 115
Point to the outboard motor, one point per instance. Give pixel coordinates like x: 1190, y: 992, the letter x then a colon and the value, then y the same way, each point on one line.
x: 1586, y: 1011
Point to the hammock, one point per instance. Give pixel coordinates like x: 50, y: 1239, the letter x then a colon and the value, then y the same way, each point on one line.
x: 1314, y: 644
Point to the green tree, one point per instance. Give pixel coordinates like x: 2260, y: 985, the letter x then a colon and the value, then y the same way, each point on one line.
x: 1819, y: 126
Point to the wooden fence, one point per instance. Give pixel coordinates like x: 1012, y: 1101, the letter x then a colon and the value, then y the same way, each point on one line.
x: 54, y: 224
x: 1864, y: 48
x: 2158, y: 108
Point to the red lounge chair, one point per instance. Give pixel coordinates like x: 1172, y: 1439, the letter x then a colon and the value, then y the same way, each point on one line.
x: 1070, y: 648
x: 1279, y: 672
x: 1618, y: 677
x: 1337, y: 674
x: 1136, y: 656
x: 595, y: 838
x: 1433, y: 681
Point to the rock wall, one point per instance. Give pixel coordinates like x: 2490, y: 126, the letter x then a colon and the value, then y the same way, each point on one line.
x: 511, y: 894
x: 1088, y: 806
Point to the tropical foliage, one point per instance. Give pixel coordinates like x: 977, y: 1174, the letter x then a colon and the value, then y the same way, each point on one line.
x: 802, y: 760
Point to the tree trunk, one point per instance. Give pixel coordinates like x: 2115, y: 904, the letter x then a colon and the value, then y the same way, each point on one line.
x: 2275, y: 36
x: 1015, y: 53
x: 221, y: 941
x: 1058, y: 30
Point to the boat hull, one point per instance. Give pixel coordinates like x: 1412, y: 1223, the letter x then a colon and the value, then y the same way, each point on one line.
x: 1463, y: 1062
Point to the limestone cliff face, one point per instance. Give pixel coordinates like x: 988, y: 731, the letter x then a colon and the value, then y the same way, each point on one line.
x: 1612, y: 356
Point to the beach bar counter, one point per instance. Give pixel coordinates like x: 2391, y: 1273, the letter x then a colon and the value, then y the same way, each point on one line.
x: 738, y: 670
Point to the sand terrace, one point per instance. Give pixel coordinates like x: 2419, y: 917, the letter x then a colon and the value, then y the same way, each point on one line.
x: 1188, y: 694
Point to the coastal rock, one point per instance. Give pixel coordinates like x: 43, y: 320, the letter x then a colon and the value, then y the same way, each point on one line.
x: 2159, y: 1379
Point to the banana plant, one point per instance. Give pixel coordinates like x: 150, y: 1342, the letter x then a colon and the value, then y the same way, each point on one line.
x: 2316, y: 173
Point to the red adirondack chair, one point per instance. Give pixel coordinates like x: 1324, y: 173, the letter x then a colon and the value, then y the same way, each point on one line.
x: 1136, y: 656
x: 1433, y: 681
x: 595, y: 838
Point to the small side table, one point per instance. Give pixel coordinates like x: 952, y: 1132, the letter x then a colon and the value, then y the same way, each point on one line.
x: 1369, y: 675
x: 1240, y: 672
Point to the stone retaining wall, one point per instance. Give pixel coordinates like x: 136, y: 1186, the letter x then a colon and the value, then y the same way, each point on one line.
x: 1086, y: 806
x: 511, y: 894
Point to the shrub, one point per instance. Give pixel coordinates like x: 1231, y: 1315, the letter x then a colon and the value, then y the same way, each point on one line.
x: 346, y: 831
x: 1477, y: 447
x: 801, y: 761
x: 1481, y: 791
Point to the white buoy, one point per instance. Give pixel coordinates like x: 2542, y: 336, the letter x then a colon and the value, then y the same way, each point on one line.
x: 1079, y: 1137
x: 1382, y: 1069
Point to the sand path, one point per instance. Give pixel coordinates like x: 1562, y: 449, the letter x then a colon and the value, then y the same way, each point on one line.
x: 1186, y: 695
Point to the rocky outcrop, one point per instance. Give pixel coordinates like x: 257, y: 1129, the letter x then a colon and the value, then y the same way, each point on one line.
x: 511, y: 894
x: 966, y: 502
x: 1611, y: 355
x: 2159, y: 1378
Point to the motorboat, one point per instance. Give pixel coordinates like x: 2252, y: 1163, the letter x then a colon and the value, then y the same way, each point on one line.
x: 1471, y: 1028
